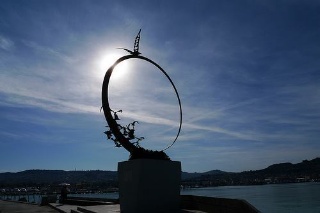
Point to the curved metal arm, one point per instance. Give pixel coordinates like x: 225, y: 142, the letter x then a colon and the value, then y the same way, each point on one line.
x: 107, y: 111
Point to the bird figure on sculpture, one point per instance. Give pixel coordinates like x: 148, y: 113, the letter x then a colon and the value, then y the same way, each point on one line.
x: 135, y: 47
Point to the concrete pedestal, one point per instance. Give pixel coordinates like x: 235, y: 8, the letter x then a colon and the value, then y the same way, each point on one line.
x: 149, y: 186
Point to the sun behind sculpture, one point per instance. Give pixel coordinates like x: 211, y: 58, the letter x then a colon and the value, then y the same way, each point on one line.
x: 108, y: 60
x: 124, y: 135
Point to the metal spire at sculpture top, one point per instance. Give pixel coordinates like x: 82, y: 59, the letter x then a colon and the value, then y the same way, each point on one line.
x: 135, y: 47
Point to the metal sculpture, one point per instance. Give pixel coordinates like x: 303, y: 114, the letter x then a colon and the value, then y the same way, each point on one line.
x: 124, y: 135
x: 135, y: 46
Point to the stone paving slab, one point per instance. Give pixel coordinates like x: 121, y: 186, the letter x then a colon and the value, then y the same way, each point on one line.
x: 106, y: 208
x: 16, y: 207
x: 63, y: 207
x: 100, y: 208
x: 97, y: 209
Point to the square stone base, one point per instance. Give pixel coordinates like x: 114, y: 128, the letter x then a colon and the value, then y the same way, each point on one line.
x: 151, y: 186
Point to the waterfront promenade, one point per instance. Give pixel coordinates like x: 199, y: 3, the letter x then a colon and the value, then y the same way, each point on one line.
x: 188, y: 204
x: 9, y: 207
x: 100, y: 209
x: 17, y: 207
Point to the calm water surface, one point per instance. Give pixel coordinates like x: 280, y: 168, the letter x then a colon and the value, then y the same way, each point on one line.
x: 273, y: 198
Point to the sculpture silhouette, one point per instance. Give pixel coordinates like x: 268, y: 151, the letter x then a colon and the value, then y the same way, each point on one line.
x: 122, y: 135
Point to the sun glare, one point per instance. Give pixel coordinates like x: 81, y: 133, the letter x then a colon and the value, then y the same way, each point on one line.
x: 120, y: 70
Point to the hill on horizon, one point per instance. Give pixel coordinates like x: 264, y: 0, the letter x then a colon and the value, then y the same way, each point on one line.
x: 40, y: 177
x: 307, y: 170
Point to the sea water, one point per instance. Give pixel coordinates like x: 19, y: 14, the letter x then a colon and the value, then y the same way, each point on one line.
x: 272, y: 198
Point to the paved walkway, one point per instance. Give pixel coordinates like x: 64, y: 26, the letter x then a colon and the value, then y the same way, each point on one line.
x: 15, y: 207
x: 99, y: 209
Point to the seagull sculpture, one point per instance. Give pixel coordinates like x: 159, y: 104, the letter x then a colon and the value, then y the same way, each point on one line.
x: 135, y: 47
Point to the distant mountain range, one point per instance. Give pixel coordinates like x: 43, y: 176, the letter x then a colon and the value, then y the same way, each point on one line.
x: 45, y: 177
x: 187, y: 175
x: 283, y: 172
x: 305, y: 171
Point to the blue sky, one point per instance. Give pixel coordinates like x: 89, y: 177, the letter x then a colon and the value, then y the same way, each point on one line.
x: 248, y: 73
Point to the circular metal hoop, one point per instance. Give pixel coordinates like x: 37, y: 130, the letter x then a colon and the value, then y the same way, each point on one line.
x: 107, y: 111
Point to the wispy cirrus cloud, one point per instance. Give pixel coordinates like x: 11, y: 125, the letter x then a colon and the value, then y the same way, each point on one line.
x: 49, y: 51
x: 6, y: 43
x: 51, y: 102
